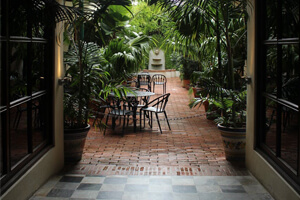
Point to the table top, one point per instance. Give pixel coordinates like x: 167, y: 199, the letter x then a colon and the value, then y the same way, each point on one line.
x: 137, y: 94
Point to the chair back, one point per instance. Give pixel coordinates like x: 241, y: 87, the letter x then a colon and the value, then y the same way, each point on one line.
x: 121, y: 106
x: 159, y: 103
x: 144, y: 79
x: 159, y: 79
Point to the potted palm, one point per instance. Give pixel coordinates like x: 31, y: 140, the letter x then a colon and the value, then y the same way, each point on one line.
x: 85, y: 69
x: 231, y: 105
x: 83, y: 85
x: 232, y: 122
x: 197, y: 88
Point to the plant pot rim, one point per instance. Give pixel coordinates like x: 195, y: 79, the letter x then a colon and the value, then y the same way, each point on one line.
x: 234, y: 129
x: 78, y: 129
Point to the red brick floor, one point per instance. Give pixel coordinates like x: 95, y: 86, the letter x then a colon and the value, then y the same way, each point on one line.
x: 192, y: 147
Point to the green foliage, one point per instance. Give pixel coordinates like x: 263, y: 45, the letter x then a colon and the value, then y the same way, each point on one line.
x: 222, y: 22
x: 151, y: 20
x: 126, y: 55
x: 83, y: 85
x: 217, y: 30
x: 231, y: 103
x: 188, y: 67
x: 175, y: 60
x: 233, y: 108
x: 197, y: 76
x: 85, y: 60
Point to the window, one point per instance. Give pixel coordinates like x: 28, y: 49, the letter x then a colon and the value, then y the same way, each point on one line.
x: 278, y: 86
x: 25, y: 88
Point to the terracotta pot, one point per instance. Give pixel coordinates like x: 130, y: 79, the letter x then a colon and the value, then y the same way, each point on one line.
x: 186, y: 83
x: 195, y: 92
x: 74, y: 140
x: 234, y: 142
x: 206, y: 104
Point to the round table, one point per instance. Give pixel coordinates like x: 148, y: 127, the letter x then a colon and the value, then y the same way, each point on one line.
x: 144, y: 94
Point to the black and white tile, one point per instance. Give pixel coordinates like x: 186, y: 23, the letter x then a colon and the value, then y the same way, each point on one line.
x: 152, y: 188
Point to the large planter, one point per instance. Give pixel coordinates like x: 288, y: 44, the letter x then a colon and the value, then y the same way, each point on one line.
x: 234, y: 141
x: 74, y: 140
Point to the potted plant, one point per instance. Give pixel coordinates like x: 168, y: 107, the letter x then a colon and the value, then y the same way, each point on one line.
x: 85, y: 82
x: 186, y: 70
x: 231, y: 105
x: 195, y: 87
x: 85, y: 69
x: 201, y: 92
x: 232, y: 123
x: 225, y: 21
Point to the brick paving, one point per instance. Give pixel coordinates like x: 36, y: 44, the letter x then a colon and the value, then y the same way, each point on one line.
x: 192, y: 148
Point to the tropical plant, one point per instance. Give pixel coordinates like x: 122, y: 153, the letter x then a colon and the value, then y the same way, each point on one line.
x: 126, y: 55
x: 230, y: 103
x: 76, y: 102
x: 151, y: 20
x: 85, y: 60
x: 188, y: 67
x: 225, y: 22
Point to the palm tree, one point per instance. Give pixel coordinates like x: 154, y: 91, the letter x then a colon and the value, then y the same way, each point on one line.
x: 198, y: 19
x: 126, y: 55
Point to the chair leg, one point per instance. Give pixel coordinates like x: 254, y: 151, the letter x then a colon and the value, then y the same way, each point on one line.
x: 141, y: 118
x: 113, y: 123
x: 134, y: 120
x: 158, y: 122
x: 145, y: 118
x: 150, y: 120
x: 167, y: 119
x: 105, y: 124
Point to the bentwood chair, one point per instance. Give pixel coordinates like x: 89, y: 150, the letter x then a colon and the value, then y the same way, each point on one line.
x: 144, y: 79
x: 121, y: 109
x: 157, y: 105
x: 159, y: 79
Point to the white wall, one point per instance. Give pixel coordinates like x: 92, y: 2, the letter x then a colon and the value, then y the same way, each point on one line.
x: 169, y: 73
x: 53, y: 161
x: 268, y: 177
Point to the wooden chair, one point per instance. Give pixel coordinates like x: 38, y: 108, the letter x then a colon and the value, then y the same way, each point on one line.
x: 156, y: 106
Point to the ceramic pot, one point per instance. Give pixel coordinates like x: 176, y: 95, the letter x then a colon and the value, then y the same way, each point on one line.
x: 234, y: 141
x: 74, y: 140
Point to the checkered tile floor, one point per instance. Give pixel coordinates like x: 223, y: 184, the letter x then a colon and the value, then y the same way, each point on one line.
x: 152, y: 188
